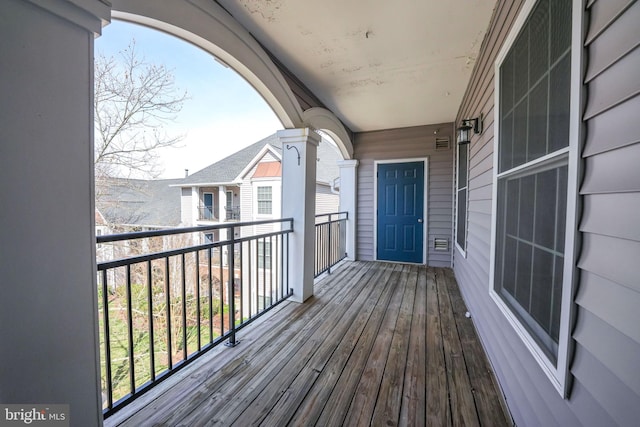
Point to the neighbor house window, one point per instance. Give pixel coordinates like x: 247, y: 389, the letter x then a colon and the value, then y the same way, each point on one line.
x: 461, y: 197
x: 264, y: 200
x: 532, y: 178
x: 264, y: 254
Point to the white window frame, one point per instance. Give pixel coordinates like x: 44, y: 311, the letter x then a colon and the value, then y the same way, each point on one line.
x: 463, y: 251
x: 559, y: 373
x: 258, y: 187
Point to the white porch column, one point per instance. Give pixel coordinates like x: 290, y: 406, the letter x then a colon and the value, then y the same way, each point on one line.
x: 195, y: 205
x: 349, y: 200
x: 299, y: 153
x: 222, y: 202
x: 48, y: 297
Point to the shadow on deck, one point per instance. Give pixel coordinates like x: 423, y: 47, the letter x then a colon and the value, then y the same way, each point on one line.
x: 379, y: 344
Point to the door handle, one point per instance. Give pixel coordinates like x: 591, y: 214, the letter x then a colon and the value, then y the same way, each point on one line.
x: 419, y: 219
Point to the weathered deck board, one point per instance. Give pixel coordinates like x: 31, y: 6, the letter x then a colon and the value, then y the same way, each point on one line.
x: 438, y: 409
x: 414, y: 404
x: 378, y: 344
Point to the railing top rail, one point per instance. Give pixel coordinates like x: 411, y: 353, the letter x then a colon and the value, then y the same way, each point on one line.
x: 346, y: 213
x: 105, y: 265
x: 170, y: 231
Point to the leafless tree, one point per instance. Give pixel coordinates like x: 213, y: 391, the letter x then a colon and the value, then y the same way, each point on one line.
x: 134, y: 100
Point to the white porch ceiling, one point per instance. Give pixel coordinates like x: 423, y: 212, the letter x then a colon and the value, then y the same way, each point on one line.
x: 375, y: 64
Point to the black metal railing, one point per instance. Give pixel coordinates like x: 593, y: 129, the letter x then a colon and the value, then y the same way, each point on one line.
x: 168, y: 296
x: 233, y: 213
x: 331, y: 238
x: 207, y: 213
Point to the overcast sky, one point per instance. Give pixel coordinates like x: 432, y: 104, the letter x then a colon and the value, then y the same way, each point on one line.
x: 223, y: 112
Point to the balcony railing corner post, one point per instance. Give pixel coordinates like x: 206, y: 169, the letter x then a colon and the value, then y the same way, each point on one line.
x: 231, y: 290
x: 329, y: 245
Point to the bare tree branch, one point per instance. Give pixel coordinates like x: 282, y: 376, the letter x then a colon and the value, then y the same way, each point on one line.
x: 134, y: 100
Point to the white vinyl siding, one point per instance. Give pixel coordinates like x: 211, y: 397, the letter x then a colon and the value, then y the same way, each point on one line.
x: 326, y: 200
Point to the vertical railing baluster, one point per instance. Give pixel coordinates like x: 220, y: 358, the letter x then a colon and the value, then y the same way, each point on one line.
x: 221, y: 290
x: 270, y: 270
x: 264, y: 273
x: 249, y: 279
x: 107, y: 338
x: 210, y: 270
x: 232, y: 314
x: 329, y: 246
x: 152, y: 355
x: 132, y: 378
x: 257, y: 278
x: 316, y: 252
x: 167, y: 297
x: 184, y: 309
x: 197, y: 285
x: 276, y: 254
x: 288, y: 266
x: 241, y: 269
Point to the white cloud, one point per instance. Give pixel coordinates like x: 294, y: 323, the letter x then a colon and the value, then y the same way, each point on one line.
x: 207, y: 144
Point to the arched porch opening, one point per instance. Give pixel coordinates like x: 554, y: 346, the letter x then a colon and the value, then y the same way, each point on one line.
x: 211, y: 28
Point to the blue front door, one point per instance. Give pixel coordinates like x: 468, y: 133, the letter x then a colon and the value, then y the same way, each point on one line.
x: 400, y: 224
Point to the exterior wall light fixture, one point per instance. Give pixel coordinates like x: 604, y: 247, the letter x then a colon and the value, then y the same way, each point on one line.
x: 464, y: 131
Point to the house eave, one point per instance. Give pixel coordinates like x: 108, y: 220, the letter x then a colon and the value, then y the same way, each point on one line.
x: 205, y: 184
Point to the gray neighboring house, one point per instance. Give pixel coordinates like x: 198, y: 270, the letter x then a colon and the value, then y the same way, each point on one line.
x: 126, y: 205
x: 138, y: 204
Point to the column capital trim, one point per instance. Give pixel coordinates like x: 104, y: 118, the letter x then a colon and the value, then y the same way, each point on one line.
x: 88, y: 14
x: 348, y: 164
x: 298, y: 135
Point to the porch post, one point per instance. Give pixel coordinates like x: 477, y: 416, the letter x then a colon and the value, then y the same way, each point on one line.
x: 299, y: 153
x: 195, y: 205
x: 48, y: 297
x: 348, y: 201
x: 222, y: 203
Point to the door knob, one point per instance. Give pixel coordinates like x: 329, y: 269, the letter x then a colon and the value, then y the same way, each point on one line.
x: 419, y: 219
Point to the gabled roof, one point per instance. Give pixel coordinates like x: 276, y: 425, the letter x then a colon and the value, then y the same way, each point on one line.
x: 137, y: 202
x: 231, y: 168
x: 225, y: 171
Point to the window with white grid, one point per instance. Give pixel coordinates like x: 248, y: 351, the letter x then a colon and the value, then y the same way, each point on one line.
x: 532, y: 178
x: 264, y: 200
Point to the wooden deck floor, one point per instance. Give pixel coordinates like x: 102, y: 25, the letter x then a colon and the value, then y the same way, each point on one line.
x: 379, y: 344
